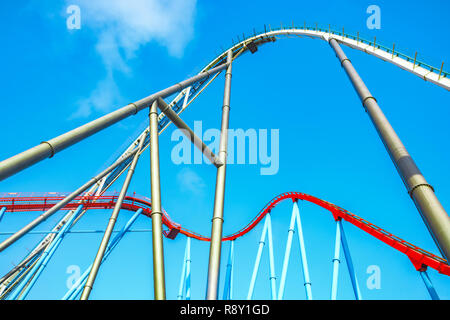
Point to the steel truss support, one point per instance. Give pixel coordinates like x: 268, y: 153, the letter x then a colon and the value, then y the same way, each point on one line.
x: 349, y: 261
x: 110, y: 227
x: 336, y: 261
x: 185, y: 280
x: 212, y: 286
x: 228, y: 287
x: 48, y: 149
x: 433, y: 214
x: 6, y: 243
x: 429, y: 285
x: 157, y: 239
x: 27, y: 283
x: 72, y: 293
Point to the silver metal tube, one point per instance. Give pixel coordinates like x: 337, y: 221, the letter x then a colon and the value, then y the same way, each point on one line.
x: 433, y: 214
x: 217, y: 220
x: 5, y: 244
x: 157, y: 235
x: 48, y: 149
x: 110, y: 227
x: 165, y: 108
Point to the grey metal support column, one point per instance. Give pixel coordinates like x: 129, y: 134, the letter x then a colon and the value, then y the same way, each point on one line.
x: 433, y: 214
x: 212, y: 286
x: 157, y: 235
x: 109, y: 229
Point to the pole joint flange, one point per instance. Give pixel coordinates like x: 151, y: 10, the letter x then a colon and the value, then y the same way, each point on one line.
x: 156, y: 212
x: 51, y: 147
x: 410, y: 192
x: 343, y: 60
x: 136, y: 107
x: 369, y: 97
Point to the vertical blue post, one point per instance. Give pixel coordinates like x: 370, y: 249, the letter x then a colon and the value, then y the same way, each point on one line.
x: 271, y: 259
x: 348, y: 259
x: 257, y: 261
x: 2, y: 213
x: 185, y: 280
x: 188, y: 269
x: 73, y: 292
x: 336, y: 261
x: 301, y: 241
x: 37, y: 269
x: 229, y: 274
x: 183, y: 273
x: 287, y: 254
x: 429, y: 285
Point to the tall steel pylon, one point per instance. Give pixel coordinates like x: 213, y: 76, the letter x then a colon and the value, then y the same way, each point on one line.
x: 435, y: 217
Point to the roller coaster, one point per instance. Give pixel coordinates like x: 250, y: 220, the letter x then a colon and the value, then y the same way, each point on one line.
x: 17, y: 283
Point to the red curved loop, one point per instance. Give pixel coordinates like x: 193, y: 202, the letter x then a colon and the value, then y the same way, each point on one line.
x: 420, y: 258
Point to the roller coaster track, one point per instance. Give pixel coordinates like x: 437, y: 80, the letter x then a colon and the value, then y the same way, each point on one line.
x: 188, y: 91
x: 418, y: 256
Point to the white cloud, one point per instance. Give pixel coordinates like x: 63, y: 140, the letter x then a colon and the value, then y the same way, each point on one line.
x: 190, y: 181
x: 102, y: 98
x: 122, y: 28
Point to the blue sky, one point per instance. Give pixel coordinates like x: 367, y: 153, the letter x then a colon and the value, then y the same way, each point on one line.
x: 55, y: 79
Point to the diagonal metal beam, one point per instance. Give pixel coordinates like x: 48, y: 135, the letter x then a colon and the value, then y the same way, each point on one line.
x: 165, y: 108
x: 109, y: 229
x: 433, y: 214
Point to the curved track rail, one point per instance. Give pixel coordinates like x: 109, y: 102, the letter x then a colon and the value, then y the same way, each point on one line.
x: 419, y: 257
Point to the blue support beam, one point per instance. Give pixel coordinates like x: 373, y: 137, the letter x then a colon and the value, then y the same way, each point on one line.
x: 73, y: 292
x: 257, y: 261
x: 348, y: 259
x: 188, y: 270
x: 228, y: 288
x: 336, y: 262
x: 2, y: 213
x: 429, y: 285
x: 272, y: 277
x: 27, y: 283
x: 183, y: 273
x: 287, y: 255
x: 306, y: 278
x: 185, y: 280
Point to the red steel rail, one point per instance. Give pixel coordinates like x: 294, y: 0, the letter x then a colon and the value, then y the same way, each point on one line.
x: 421, y: 259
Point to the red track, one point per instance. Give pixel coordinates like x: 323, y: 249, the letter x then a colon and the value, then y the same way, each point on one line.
x: 419, y: 257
